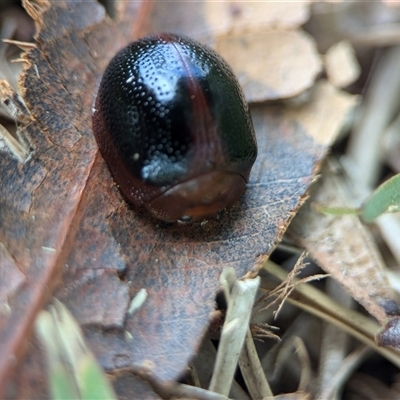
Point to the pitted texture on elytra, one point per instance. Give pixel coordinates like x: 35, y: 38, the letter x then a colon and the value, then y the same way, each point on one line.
x: 172, y: 110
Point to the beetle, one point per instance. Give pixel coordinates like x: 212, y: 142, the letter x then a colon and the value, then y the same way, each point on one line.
x: 172, y: 123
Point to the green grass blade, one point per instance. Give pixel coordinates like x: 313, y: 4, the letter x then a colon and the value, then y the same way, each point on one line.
x: 61, y: 381
x: 73, y: 370
x: 340, y: 211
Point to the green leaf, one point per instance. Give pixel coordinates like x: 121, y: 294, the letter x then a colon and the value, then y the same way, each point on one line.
x: 385, y: 199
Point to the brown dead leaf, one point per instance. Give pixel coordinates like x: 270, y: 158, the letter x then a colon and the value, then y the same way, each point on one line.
x: 341, y: 64
x: 271, y: 65
x: 229, y: 16
x: 363, y: 23
x: 319, y: 118
x: 343, y: 247
x: 203, y: 19
x: 60, y: 211
x: 39, y: 198
x: 11, y: 279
